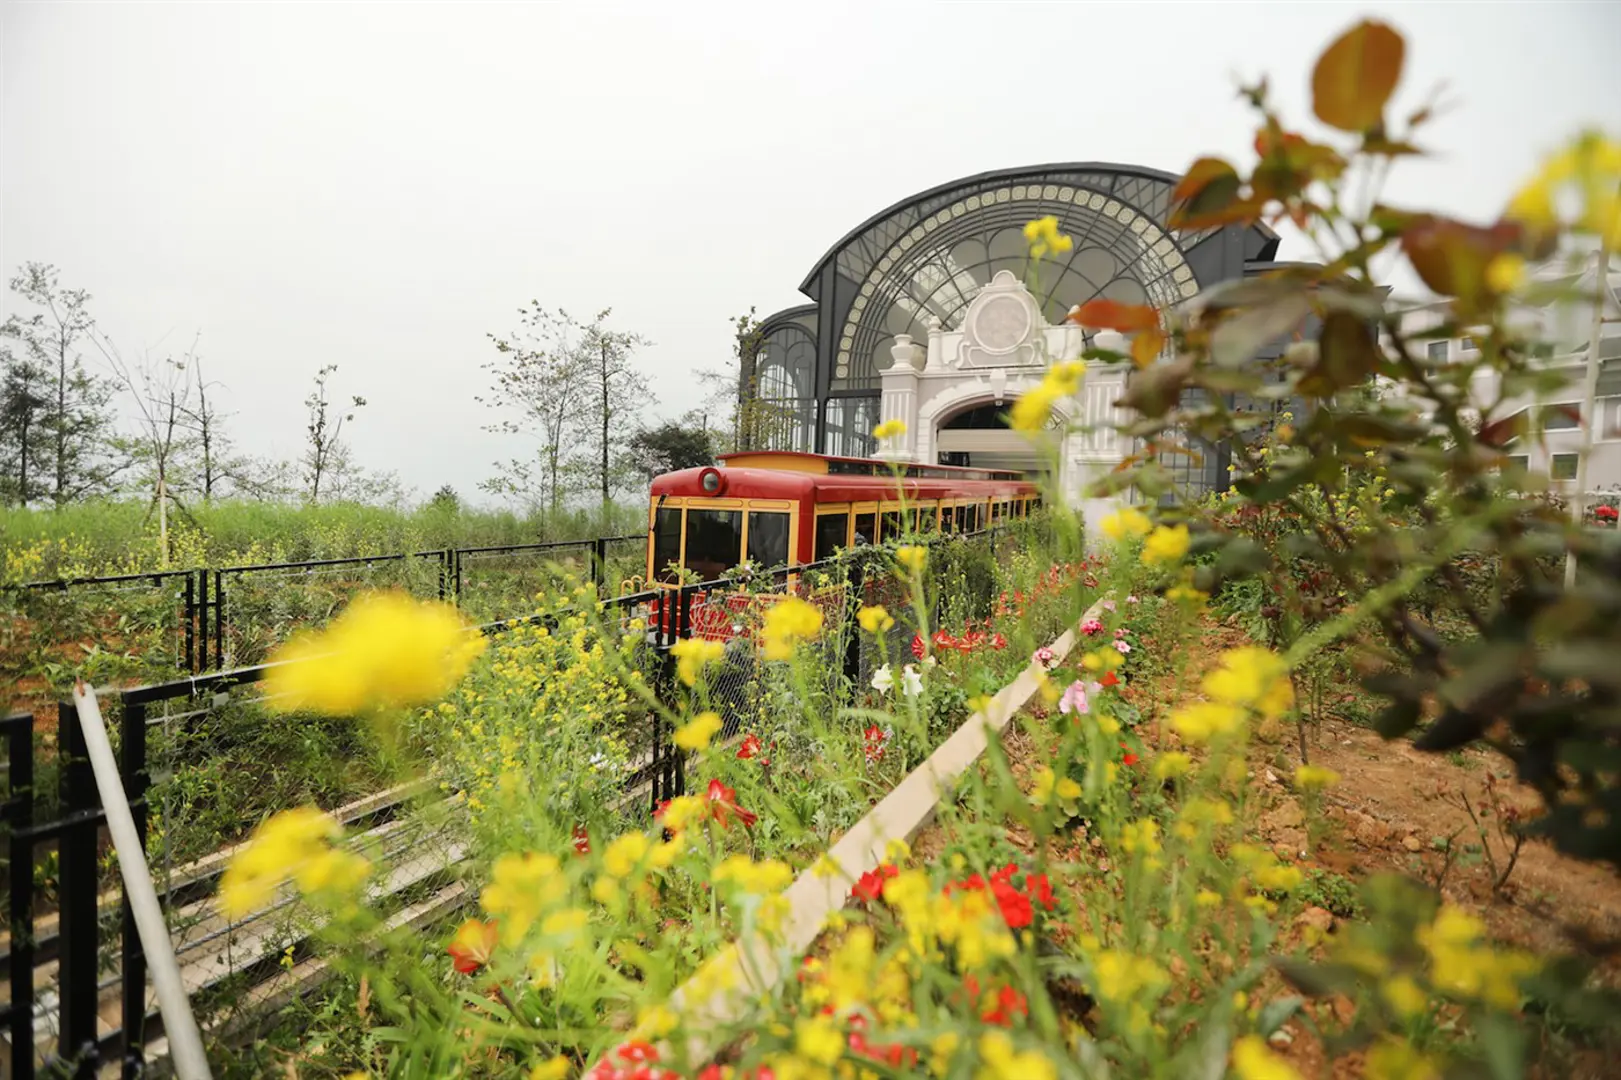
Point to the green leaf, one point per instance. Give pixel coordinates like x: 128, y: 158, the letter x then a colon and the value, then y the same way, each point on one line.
x: 1236, y: 341
x: 1314, y: 980
x: 1398, y: 718
x: 1503, y: 1044
x: 1276, y: 1012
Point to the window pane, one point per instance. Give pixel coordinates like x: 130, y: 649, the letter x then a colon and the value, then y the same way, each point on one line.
x: 1564, y: 467
x: 768, y: 538
x: 1436, y: 350
x: 831, y: 530
x: 714, y: 542
x: 666, y: 542
x: 1521, y: 461
x: 1556, y: 418
x: 866, y: 529
x: 925, y: 518
x: 892, y: 525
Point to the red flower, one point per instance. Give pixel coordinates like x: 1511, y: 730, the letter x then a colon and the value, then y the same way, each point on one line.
x: 1109, y: 679
x: 470, y: 949
x: 1016, y: 910
x: 638, y: 1052
x: 998, y: 641
x: 919, y: 650
x: 1130, y: 758
x: 750, y: 747
x: 658, y: 811
x: 873, y: 745
x: 723, y: 805
x: 870, y: 886
x: 942, y: 640
x: 1041, y: 891
x: 582, y: 839
x: 1007, y: 1004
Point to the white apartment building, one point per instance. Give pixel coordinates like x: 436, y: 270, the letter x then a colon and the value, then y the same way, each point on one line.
x: 1563, y: 327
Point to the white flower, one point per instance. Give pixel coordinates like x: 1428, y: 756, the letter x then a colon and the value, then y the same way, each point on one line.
x: 912, y: 680
x: 883, y: 680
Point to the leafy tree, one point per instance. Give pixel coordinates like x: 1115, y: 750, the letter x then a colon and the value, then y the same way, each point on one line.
x: 326, y: 456
x: 162, y: 391
x: 671, y: 446
x: 446, y: 500
x: 615, y: 399
x: 73, y: 424
x: 22, y: 439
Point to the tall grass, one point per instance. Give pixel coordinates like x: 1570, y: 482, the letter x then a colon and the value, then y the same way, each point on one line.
x: 112, y: 537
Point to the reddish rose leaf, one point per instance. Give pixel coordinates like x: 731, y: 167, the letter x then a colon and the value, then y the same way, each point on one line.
x: 1105, y: 314
x: 1356, y: 75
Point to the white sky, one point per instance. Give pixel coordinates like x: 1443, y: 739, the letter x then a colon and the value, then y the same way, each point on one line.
x: 378, y: 186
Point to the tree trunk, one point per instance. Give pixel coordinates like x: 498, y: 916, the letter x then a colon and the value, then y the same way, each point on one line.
x: 59, y: 496
x: 605, y: 417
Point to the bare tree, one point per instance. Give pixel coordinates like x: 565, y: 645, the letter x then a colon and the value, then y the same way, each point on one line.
x: 162, y: 393
x: 74, y: 423
x: 541, y: 375
x: 326, y: 455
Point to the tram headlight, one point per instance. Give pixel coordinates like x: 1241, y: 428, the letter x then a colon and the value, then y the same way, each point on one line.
x: 711, y: 481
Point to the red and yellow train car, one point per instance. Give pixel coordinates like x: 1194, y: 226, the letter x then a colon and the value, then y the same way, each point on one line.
x: 775, y: 508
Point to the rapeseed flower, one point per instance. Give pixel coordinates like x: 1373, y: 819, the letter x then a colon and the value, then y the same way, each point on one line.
x: 521, y: 886
x: 875, y: 619
x: 294, y: 844
x: 913, y: 557
x: 1044, y: 237
x: 1253, y: 1061
x: 692, y: 654
x: 1205, y: 720
x: 1127, y: 522
x: 1167, y: 544
x: 1315, y: 777
x: 1252, y: 678
x: 889, y: 429
x: 787, y: 623
x: 386, y: 650
x: 696, y: 734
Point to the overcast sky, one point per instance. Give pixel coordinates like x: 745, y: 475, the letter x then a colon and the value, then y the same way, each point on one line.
x: 379, y: 185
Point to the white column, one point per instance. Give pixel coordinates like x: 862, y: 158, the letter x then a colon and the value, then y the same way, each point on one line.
x: 899, y: 401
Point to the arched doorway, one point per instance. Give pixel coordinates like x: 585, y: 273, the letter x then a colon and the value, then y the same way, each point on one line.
x: 979, y: 436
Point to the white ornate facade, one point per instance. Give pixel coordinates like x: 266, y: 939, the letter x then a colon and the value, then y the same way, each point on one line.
x: 1002, y: 350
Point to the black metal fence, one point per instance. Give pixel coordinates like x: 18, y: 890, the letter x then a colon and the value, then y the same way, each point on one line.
x: 215, y: 618
x: 79, y: 1003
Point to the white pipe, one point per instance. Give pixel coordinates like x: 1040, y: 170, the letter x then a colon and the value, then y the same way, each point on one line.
x: 1578, y: 500
x: 185, y: 1041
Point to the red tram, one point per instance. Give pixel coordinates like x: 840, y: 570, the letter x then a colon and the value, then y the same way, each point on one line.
x: 784, y: 508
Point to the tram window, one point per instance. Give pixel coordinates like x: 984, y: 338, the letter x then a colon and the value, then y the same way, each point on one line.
x: 831, y: 531
x: 768, y: 537
x: 714, y: 542
x: 892, y: 525
x: 866, y: 529
x: 925, y: 518
x: 666, y: 542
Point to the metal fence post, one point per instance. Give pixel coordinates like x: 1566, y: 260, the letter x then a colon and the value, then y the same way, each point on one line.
x: 856, y: 596
x: 200, y: 663
x: 79, y: 889
x: 599, y: 564
x: 20, y: 817
x: 189, y: 596
x: 219, y: 618
x: 132, y: 770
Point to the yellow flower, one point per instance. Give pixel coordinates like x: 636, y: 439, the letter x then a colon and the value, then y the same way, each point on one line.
x: 1404, y: 996
x: 889, y: 429
x: 826, y: 867
x: 1120, y: 976
x: 1395, y: 1059
x: 763, y: 877
x: 682, y: 811
x: 1044, y: 237
x: 653, y: 1022
x: 941, y: 1050
x: 691, y: 654
x: 1140, y: 836
x: 278, y: 849
x: 1252, y: 678
x: 1002, y: 1062
x: 1204, y: 720
x: 625, y: 854
x: 1315, y: 777
x: 520, y: 887
x: 787, y: 623
x: 1034, y: 408
x: 1463, y: 964
x: 1505, y: 273
x: 554, y: 1069
x: 1591, y: 166
x: 565, y: 923
x: 818, y: 1040
x: 1253, y: 1061
x: 875, y: 619
x: 1166, y: 544
x: 913, y: 557
x: 696, y: 734
x: 1171, y: 764
x: 387, y: 650
x: 1126, y: 522
x: 1207, y: 899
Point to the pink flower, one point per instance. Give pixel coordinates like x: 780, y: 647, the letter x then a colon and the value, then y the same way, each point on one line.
x: 1043, y: 656
x: 1092, y: 626
x: 1108, y: 605
x: 1120, y: 633
x: 1074, y: 699
x: 1122, y: 647
x: 1131, y: 599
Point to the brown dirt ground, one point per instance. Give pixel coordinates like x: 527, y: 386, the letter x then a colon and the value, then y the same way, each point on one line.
x: 1389, y: 812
